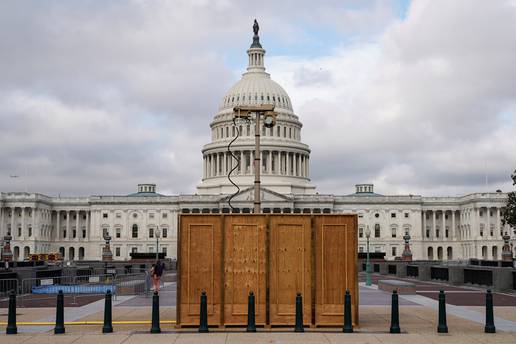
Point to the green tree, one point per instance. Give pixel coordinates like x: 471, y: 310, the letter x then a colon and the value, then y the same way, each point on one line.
x: 509, y: 216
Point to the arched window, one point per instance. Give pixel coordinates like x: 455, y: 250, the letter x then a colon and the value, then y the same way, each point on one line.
x: 135, y: 231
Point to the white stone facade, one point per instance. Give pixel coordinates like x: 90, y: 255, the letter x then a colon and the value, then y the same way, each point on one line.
x: 441, y: 228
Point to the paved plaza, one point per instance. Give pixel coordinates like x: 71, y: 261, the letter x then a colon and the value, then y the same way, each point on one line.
x: 418, y: 320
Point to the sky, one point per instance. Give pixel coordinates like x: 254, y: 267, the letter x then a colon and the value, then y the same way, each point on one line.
x: 417, y: 97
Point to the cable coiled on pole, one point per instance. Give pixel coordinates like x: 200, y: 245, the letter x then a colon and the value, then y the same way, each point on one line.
x: 236, y: 166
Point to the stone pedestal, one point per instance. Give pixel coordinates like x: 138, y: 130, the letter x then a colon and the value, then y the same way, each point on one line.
x: 506, y: 250
x: 7, y: 255
x: 406, y: 256
x: 107, y: 255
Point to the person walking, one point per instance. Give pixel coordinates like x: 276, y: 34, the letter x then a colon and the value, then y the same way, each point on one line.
x: 156, y: 272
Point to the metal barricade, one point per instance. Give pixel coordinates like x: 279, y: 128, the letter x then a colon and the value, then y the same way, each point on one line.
x: 28, y: 284
x: 8, y: 285
x: 132, y: 284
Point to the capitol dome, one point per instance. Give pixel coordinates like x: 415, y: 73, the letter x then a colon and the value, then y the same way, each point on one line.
x: 284, y: 158
x: 256, y: 88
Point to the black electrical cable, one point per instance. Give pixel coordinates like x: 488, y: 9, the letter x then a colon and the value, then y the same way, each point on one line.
x: 236, y: 166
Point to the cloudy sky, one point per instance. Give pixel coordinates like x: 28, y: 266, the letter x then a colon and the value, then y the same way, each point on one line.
x: 415, y: 96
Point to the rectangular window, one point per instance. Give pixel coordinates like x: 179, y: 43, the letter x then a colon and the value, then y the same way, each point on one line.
x: 406, y: 215
x: 83, y: 233
x: 393, y: 234
x: 165, y: 234
x: 151, y: 215
x: 360, y: 215
x: 105, y: 215
x: 118, y: 215
x: 393, y: 251
x: 134, y: 250
x: 74, y: 233
x: 377, y: 231
x: 104, y: 232
x: 64, y: 233
x: 361, y: 249
x: 151, y: 232
x: 117, y: 233
x: 164, y: 215
x: 164, y: 250
x: 393, y: 215
x: 117, y: 251
x: 437, y: 233
x: 360, y: 232
x: 428, y: 233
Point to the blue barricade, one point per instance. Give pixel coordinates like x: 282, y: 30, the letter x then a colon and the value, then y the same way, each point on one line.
x: 74, y: 289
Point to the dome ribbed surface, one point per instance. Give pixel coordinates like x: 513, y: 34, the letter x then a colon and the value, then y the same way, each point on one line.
x: 255, y: 89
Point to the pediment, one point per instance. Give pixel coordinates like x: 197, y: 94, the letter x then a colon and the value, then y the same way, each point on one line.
x: 247, y: 195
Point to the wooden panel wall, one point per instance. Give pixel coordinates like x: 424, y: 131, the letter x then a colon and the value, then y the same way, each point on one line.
x: 336, y: 259
x: 275, y: 256
x: 199, y: 268
x: 290, y: 268
x: 244, y: 267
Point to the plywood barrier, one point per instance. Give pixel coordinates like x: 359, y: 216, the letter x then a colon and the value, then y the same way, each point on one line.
x: 275, y: 256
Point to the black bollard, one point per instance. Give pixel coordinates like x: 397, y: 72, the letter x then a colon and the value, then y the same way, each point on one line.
x: 203, y: 316
x: 11, y: 318
x: 155, y: 314
x: 490, y: 326
x: 108, y: 323
x: 395, y: 314
x: 442, y: 327
x: 299, y: 314
x: 59, y: 329
x: 348, y: 324
x: 251, y: 325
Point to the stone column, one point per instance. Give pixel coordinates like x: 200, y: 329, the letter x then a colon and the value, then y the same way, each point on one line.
x: 443, y: 236
x: 241, y: 169
x: 497, y: 226
x: 87, y: 225
x: 453, y: 225
x: 433, y: 234
x: 13, y: 231
x: 58, y: 225
x: 68, y: 225
x: 270, y: 163
x: 287, y: 155
x: 488, y: 221
x: 423, y: 234
x: 477, y: 224
x: 307, y: 166
x: 77, y: 231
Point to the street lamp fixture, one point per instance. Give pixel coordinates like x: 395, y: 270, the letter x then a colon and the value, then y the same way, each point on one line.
x: 368, y: 263
x: 265, y: 111
x: 157, y: 243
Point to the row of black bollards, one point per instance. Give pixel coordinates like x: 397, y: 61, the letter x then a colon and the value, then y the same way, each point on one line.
x: 59, y: 328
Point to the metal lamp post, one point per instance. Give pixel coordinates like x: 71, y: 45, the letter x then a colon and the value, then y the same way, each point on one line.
x: 368, y: 263
x: 265, y: 111
x: 157, y: 243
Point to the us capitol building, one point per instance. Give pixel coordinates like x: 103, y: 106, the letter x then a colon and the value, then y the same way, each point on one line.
x: 441, y: 228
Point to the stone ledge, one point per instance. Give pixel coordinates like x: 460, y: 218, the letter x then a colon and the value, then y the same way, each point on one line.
x: 402, y: 287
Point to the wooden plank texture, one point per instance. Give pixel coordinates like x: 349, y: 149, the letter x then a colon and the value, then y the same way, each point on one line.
x: 244, y: 267
x: 336, y: 257
x: 290, y: 268
x: 275, y: 256
x: 200, y: 268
